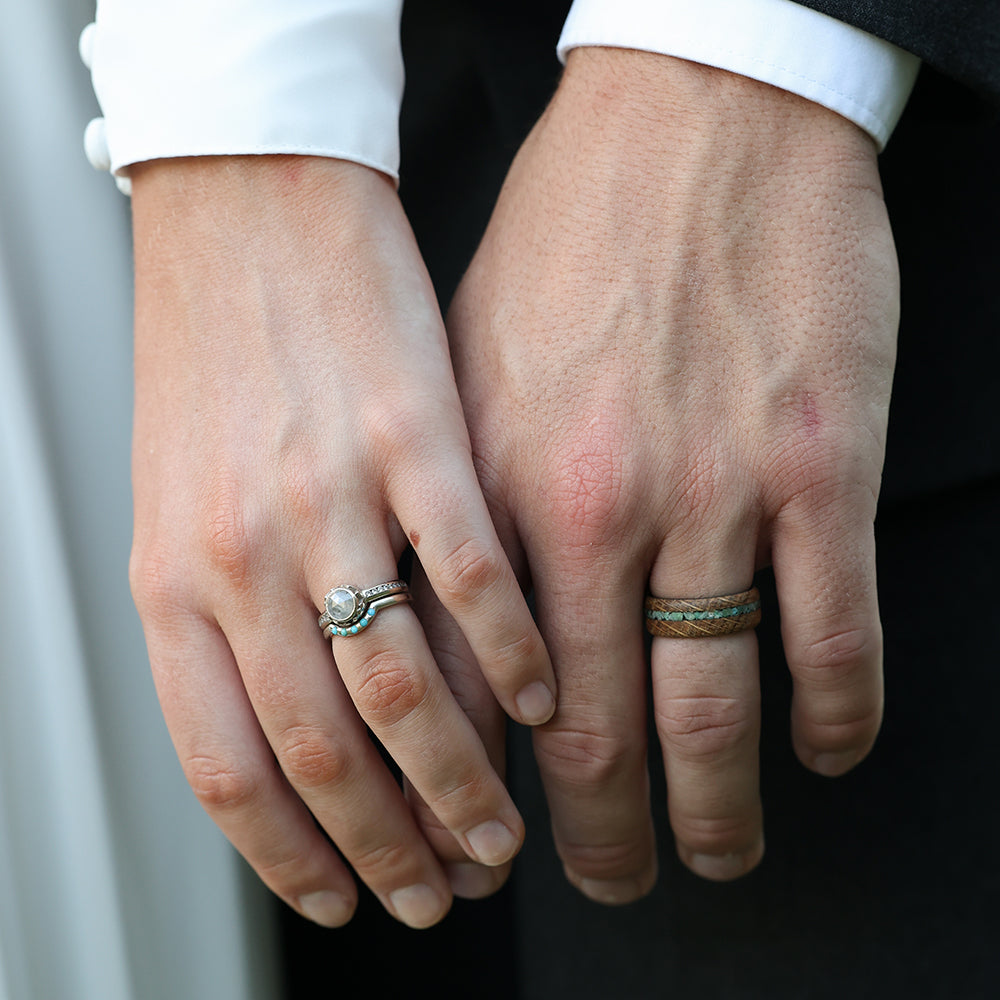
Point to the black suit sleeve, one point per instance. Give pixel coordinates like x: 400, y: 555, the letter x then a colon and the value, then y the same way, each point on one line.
x: 961, y: 38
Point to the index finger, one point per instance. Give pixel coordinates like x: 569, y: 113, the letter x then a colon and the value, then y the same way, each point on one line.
x: 452, y: 533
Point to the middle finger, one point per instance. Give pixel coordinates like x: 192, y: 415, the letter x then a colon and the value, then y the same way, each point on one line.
x: 592, y: 754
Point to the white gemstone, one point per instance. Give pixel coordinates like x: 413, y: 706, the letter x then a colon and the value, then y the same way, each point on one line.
x: 341, y: 604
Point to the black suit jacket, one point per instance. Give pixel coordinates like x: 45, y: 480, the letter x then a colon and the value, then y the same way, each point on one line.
x: 961, y: 38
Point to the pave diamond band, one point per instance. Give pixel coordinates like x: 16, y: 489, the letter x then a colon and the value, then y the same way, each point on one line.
x: 702, y: 617
x: 349, y: 609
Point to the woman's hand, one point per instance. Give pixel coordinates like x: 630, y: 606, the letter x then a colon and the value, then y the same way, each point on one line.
x: 674, y: 348
x: 296, y: 425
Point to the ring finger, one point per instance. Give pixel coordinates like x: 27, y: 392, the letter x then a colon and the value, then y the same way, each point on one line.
x: 324, y: 752
x: 707, y: 709
x: 398, y: 690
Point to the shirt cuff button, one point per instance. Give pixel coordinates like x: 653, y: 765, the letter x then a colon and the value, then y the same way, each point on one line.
x: 87, y: 45
x: 95, y: 144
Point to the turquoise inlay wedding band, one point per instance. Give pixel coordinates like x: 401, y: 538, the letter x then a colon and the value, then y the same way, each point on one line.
x: 702, y: 617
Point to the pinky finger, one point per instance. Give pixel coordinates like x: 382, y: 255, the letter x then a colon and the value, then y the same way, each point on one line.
x: 232, y: 771
x: 831, y: 634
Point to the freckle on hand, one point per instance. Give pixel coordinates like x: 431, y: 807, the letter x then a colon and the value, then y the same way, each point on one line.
x: 414, y: 538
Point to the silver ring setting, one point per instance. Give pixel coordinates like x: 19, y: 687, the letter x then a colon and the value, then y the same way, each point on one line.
x: 349, y: 609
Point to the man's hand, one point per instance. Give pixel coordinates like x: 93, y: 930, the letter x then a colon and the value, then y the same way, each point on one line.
x: 674, y: 349
x: 296, y: 422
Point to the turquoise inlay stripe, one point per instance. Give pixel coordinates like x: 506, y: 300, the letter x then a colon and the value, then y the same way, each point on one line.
x: 700, y: 616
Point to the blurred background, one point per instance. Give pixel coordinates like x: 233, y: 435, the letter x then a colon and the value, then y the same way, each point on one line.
x: 113, y: 883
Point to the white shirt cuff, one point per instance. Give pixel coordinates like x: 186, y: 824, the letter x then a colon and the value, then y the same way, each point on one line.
x: 196, y: 78
x: 861, y: 77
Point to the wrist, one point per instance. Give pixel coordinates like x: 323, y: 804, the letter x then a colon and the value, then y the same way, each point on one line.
x: 647, y: 103
x: 274, y: 223
x: 277, y: 248
x: 858, y: 75
x: 234, y: 197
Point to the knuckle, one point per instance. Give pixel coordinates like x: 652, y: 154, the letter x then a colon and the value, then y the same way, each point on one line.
x: 470, y: 792
x: 382, y: 863
x: 586, y: 485
x: 713, y: 492
x: 705, y: 727
x: 158, y: 588
x: 289, y: 873
x: 304, y: 493
x: 222, y: 784
x: 838, y: 698
x: 511, y: 654
x: 311, y: 757
x: 233, y: 536
x: 704, y: 482
x: 468, y: 571
x: 389, y: 689
x: 846, y: 727
x: 615, y: 860
x: 815, y: 464
x: 829, y: 468
x: 590, y: 758
x: 828, y: 661
x: 397, y: 429
x: 718, y: 835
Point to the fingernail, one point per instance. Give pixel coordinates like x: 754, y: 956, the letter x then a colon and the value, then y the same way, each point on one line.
x: 471, y: 881
x: 724, y: 867
x: 417, y: 905
x: 493, y: 843
x: 832, y: 765
x: 326, y: 908
x: 536, y: 703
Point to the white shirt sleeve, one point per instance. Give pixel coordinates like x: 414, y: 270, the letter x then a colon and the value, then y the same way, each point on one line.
x: 861, y: 77
x: 200, y: 77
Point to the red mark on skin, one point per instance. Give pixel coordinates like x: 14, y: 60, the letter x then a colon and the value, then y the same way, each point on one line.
x: 810, y: 415
x: 414, y: 538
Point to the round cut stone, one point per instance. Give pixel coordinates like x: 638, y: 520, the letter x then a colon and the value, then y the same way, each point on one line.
x: 341, y: 604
